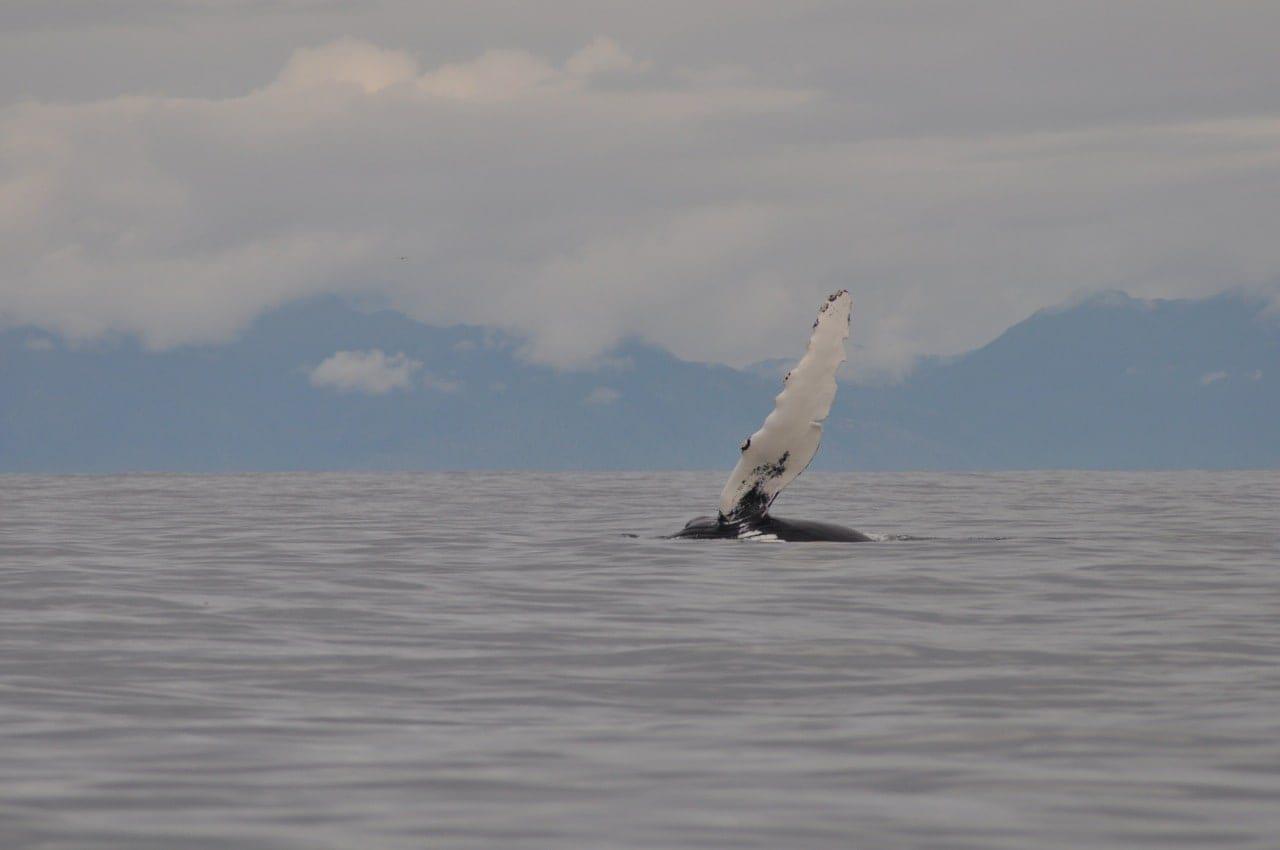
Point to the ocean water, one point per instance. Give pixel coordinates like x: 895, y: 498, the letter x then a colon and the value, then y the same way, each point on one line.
x: 1026, y: 660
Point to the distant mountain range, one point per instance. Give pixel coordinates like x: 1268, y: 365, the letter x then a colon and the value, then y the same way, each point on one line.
x: 1108, y: 382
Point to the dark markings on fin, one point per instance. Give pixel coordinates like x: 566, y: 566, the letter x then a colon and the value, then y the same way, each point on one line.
x: 772, y: 470
x: 755, y: 501
x: 752, y: 503
x: 830, y: 300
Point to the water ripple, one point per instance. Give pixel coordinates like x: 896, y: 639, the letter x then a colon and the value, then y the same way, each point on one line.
x: 1049, y: 660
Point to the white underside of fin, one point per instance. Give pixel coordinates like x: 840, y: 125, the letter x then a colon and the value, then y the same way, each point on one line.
x: 787, y: 441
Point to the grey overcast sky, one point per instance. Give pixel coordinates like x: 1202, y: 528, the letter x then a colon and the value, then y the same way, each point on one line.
x: 697, y: 174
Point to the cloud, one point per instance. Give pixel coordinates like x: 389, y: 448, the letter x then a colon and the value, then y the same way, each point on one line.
x: 443, y: 385
x: 602, y: 56
x: 346, y: 62
x: 602, y: 396
x: 181, y: 219
x: 370, y: 372
x: 697, y: 177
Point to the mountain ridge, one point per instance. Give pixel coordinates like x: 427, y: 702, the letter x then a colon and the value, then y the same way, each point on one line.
x: 1106, y: 381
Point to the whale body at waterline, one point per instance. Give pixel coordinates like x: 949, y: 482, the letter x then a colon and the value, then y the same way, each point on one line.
x: 770, y: 528
x: 784, y: 446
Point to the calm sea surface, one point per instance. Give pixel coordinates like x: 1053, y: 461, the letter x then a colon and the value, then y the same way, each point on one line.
x: 1027, y: 660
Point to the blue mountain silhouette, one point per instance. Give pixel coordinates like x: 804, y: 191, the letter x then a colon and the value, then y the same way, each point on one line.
x: 1109, y: 381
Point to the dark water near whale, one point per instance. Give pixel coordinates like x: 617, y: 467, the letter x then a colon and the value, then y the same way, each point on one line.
x: 1058, y: 660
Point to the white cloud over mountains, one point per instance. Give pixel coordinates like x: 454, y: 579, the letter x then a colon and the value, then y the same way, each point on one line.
x: 699, y: 183
x: 370, y: 372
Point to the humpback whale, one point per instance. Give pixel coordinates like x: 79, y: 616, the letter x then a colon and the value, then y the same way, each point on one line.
x: 785, y: 444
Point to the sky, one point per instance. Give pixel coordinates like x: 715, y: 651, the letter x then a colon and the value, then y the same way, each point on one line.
x: 697, y: 175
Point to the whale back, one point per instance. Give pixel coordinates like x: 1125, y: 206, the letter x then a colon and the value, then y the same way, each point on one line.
x: 786, y: 443
x: 769, y: 528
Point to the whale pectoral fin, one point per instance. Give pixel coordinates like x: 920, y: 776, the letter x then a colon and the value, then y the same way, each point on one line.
x: 786, y: 443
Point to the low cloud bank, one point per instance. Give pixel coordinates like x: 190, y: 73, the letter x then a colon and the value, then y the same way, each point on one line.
x: 647, y: 187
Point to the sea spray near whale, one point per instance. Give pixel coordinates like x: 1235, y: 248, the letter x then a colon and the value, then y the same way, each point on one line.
x: 784, y: 446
